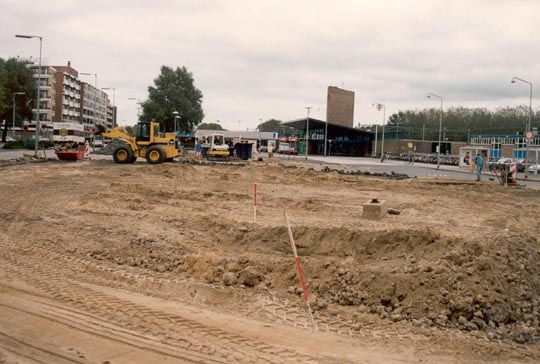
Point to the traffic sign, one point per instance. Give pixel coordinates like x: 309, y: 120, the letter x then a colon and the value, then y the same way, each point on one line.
x: 529, y: 136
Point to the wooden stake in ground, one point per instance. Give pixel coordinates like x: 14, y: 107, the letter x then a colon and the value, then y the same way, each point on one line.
x: 254, y: 202
x: 299, y: 268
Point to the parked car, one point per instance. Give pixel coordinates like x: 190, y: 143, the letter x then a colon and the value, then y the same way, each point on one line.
x: 535, y: 168
x: 505, y: 161
x: 520, y: 165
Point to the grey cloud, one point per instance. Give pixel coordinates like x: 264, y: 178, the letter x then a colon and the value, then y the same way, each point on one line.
x: 271, y: 59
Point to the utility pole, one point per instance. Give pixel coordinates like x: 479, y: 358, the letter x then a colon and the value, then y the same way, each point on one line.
x: 308, y: 108
x: 380, y: 106
x: 38, y: 87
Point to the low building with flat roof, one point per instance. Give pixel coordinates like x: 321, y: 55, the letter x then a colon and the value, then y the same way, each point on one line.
x: 340, y: 140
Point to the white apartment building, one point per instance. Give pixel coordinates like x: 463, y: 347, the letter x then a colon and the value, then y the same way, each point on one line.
x: 64, y: 98
x: 46, y: 82
x: 94, y: 106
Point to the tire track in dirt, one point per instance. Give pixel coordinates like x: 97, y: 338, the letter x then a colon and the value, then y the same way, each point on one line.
x: 96, y: 327
x: 279, y: 311
x: 270, y: 307
x: 203, y: 339
x: 32, y: 352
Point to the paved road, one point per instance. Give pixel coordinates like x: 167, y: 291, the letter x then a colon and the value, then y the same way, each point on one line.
x: 353, y: 163
x: 416, y: 169
x: 6, y: 154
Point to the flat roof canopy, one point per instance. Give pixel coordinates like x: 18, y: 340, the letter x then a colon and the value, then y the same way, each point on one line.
x: 334, y: 130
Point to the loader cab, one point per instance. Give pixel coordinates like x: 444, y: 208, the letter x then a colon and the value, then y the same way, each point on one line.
x: 216, y: 140
x: 143, y: 132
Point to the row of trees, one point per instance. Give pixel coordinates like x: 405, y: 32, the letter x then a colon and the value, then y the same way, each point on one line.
x: 458, y: 122
x: 15, y: 77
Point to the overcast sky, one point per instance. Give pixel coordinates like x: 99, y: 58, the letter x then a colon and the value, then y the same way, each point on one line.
x: 255, y: 59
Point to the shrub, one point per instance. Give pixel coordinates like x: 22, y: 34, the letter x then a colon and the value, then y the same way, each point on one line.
x: 15, y: 144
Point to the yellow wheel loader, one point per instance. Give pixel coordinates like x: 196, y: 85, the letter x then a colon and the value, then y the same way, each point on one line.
x: 149, y: 143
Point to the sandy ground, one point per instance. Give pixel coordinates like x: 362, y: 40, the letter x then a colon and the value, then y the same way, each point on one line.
x: 105, y: 263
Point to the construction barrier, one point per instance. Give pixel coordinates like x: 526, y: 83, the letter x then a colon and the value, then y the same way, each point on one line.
x: 86, y: 150
x: 254, y: 202
x: 513, y: 170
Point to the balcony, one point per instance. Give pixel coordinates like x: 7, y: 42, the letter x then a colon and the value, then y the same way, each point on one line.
x: 42, y: 75
x: 42, y: 111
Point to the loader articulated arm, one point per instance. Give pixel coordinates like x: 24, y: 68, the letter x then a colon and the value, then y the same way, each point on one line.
x: 119, y: 133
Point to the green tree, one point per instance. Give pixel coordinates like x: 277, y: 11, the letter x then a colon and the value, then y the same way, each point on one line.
x: 460, y: 122
x: 174, y: 90
x: 275, y: 126
x: 272, y: 125
x: 15, y: 77
x: 210, y: 126
x: 131, y: 129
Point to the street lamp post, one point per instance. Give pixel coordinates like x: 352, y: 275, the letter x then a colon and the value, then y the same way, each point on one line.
x: 175, y: 113
x: 325, y: 136
x: 114, y: 102
x: 529, y: 123
x: 91, y: 74
x: 380, y: 106
x: 376, y: 138
x: 39, y: 85
x: 13, y: 126
x: 325, y: 131
x: 308, y: 108
x: 138, y: 107
x: 440, y: 127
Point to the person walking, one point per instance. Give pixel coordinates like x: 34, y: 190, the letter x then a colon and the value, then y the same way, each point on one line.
x: 479, y: 162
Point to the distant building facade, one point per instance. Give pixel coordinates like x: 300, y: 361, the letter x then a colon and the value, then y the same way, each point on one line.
x: 509, y: 145
x: 68, y: 95
x: 64, y: 98
x: 46, y: 82
x: 340, y: 106
x: 111, y: 116
x: 94, y: 107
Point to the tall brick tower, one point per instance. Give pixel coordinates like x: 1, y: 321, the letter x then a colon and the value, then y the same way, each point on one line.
x: 340, y: 106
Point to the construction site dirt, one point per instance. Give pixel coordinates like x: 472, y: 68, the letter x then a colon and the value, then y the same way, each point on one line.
x: 106, y: 263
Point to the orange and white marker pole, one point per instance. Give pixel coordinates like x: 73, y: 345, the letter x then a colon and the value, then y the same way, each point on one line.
x: 513, y: 171
x: 254, y: 202
x: 299, y: 269
x: 86, y: 150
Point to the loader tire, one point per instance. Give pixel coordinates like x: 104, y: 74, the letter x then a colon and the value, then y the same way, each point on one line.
x: 133, y: 159
x: 123, y: 154
x: 155, y: 155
